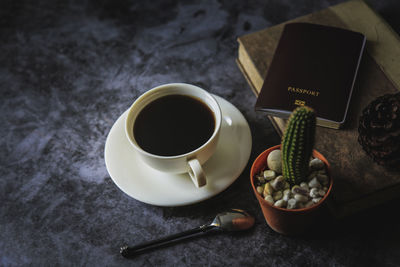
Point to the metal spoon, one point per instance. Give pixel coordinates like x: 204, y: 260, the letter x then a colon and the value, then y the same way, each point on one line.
x: 233, y: 220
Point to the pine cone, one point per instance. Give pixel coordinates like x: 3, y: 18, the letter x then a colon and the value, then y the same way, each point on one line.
x: 379, y: 130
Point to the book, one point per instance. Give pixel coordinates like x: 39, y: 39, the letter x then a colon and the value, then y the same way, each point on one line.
x: 359, y: 183
x: 313, y: 65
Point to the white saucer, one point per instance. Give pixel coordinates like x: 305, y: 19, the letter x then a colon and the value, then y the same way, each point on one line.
x: 148, y: 185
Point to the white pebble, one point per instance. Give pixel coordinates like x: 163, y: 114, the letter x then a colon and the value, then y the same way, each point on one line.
x: 323, y: 179
x: 277, y: 195
x: 269, y: 199
x: 274, y: 161
x: 280, y: 203
x: 321, y: 192
x: 300, y: 205
x: 293, y: 188
x: 291, y: 204
x: 314, y: 192
x: 317, y: 199
x: 299, y: 190
x: 316, y: 164
x: 269, y: 175
x: 268, y: 190
x: 304, y: 185
x: 314, y: 183
x: 261, y: 179
x: 300, y: 198
x: 312, y: 175
x: 287, y: 194
x: 309, y: 204
x: 278, y: 183
x: 260, y: 189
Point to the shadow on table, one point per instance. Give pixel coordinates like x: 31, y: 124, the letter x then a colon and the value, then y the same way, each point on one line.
x: 374, y: 221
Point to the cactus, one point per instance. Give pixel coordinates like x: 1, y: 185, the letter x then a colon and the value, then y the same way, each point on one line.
x: 297, y: 145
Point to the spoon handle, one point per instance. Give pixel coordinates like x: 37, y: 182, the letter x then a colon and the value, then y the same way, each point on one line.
x: 129, y: 252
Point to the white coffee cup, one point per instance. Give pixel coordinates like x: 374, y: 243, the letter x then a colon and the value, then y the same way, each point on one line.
x: 192, y: 161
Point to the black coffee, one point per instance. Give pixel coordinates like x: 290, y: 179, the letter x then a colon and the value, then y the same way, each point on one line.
x: 173, y: 125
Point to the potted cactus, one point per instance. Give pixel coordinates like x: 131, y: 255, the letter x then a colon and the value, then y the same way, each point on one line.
x: 291, y: 181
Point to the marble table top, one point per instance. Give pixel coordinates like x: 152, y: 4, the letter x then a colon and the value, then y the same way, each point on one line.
x: 69, y: 69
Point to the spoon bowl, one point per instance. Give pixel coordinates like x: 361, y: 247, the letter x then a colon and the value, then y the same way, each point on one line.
x: 233, y: 220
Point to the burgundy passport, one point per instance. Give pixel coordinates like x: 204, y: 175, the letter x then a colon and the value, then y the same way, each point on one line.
x: 313, y: 65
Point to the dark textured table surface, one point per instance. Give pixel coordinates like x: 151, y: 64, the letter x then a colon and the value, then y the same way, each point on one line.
x: 70, y: 68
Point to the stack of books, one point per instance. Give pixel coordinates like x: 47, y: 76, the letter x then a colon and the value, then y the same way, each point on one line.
x: 359, y: 182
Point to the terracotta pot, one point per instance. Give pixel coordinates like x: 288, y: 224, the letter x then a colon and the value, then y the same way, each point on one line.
x: 283, y: 220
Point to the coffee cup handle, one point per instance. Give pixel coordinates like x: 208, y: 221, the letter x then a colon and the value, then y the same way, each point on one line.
x: 196, y: 173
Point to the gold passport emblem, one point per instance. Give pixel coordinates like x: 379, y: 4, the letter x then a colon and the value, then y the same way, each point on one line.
x: 299, y: 102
